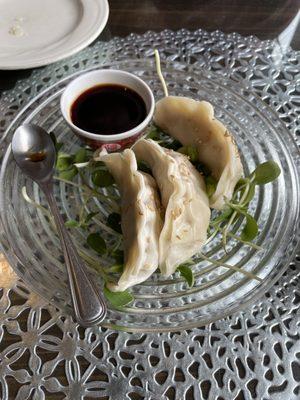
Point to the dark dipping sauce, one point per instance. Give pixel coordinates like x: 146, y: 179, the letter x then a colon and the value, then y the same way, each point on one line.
x: 36, y: 157
x: 108, y: 109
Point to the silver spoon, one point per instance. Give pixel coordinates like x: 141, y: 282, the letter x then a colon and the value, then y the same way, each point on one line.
x: 35, y: 154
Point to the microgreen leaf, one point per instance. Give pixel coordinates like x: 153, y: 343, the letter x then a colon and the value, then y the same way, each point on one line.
x: 102, y: 178
x: 211, y: 185
x: 266, y: 172
x: 80, y: 156
x: 114, y: 222
x: 90, y: 216
x: 118, y: 299
x: 94, y: 166
x: 118, y: 256
x: 71, y: 223
x: 68, y: 174
x: 116, y: 268
x: 97, y: 243
x: 190, y: 151
x: 187, y: 274
x: 242, y: 182
x: 153, y: 134
x: 63, y: 162
x: 250, y: 230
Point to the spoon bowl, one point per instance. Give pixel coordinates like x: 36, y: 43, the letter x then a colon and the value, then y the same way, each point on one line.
x: 34, y: 152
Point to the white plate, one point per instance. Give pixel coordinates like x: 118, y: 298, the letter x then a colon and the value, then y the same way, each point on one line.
x: 39, y: 32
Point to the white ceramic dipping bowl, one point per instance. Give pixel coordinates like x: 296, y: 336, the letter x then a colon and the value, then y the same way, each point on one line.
x: 100, y: 77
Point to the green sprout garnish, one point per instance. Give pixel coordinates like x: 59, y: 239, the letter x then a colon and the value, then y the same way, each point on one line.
x: 118, y: 299
x: 186, y: 273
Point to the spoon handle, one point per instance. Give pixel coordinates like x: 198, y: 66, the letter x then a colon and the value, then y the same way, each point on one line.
x: 89, y: 305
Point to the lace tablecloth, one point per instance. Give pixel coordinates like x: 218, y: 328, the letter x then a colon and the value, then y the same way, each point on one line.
x: 254, y: 354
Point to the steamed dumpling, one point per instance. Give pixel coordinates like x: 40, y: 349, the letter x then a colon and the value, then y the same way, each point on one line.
x: 192, y: 122
x: 140, y: 218
x: 184, y: 198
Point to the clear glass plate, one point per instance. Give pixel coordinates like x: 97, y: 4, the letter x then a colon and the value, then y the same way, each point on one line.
x: 33, y: 249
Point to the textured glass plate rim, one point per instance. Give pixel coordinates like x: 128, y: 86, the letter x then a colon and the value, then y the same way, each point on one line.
x: 265, y: 286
